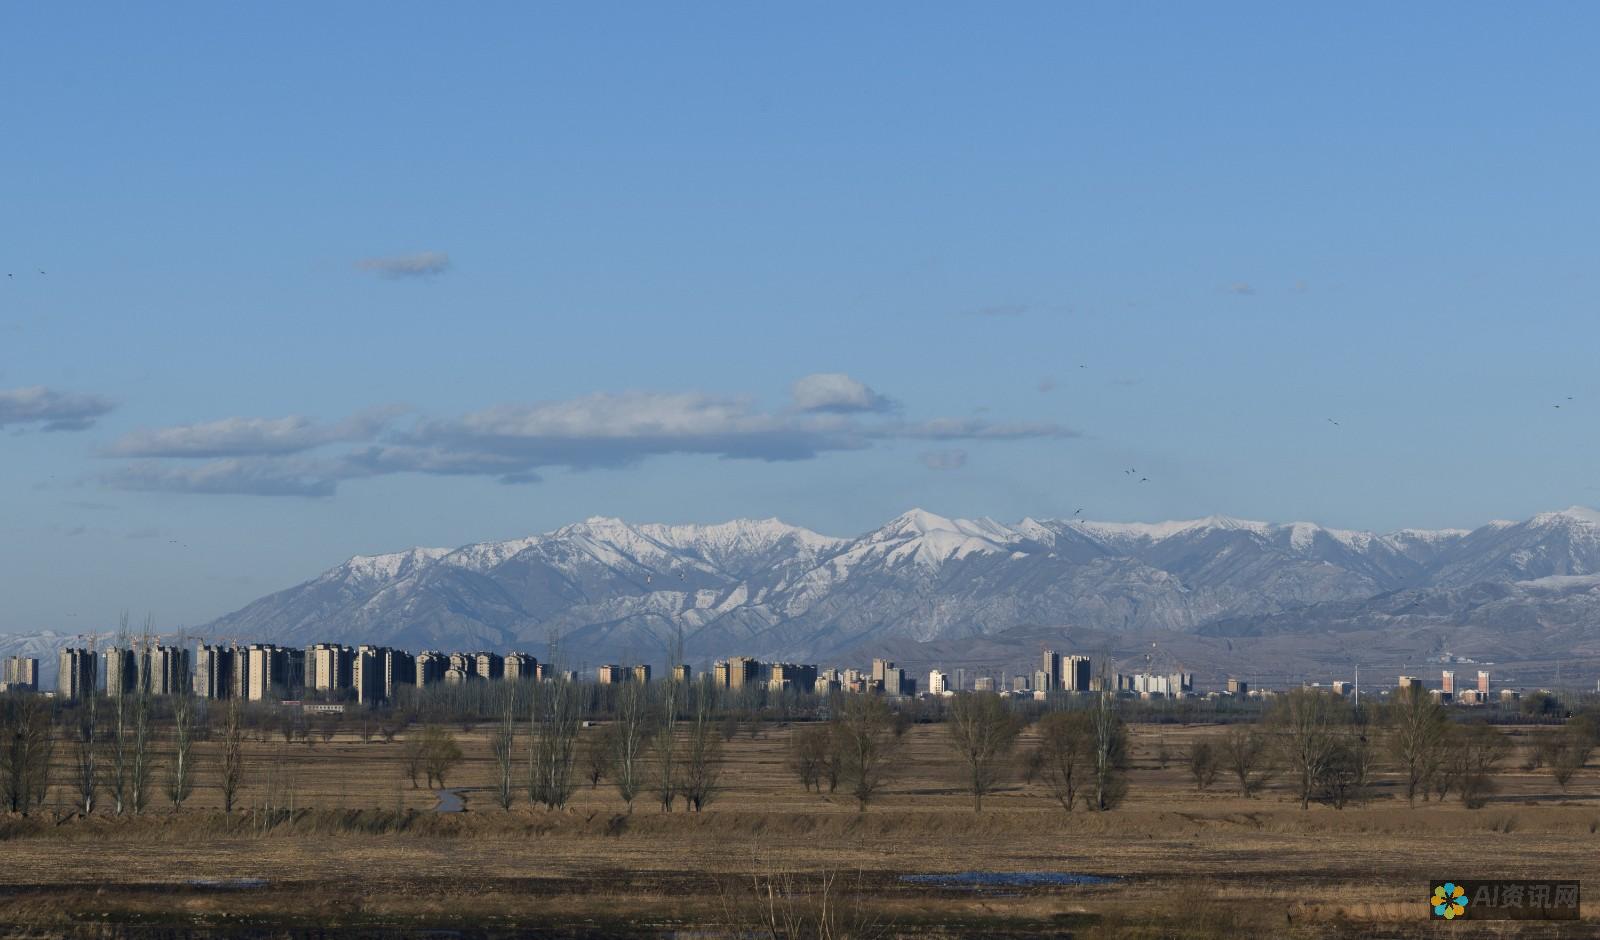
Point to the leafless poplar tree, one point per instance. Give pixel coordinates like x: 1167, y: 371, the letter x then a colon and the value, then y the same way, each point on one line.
x: 26, y: 746
x: 629, y: 735
x: 180, y: 770
x: 230, y: 755
x: 1108, y: 760
x: 504, y: 744
x: 702, y: 763
x: 86, y: 752
x: 665, y: 747
x: 556, y: 711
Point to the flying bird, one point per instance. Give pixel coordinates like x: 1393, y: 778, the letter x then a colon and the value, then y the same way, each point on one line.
x: 1144, y: 479
x: 1078, y: 512
x: 1333, y: 422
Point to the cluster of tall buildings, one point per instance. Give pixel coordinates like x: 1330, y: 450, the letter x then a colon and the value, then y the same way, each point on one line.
x: 264, y: 671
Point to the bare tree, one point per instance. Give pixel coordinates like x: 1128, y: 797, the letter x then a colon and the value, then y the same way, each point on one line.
x: 809, y: 750
x: 1417, y: 727
x: 1243, y: 753
x: 1565, y: 752
x: 983, y: 732
x: 556, y: 715
x: 665, y: 770
x: 702, y: 763
x: 26, y: 744
x: 1061, y: 759
x: 180, y: 770
x: 230, y: 755
x: 1203, y: 763
x: 504, y: 745
x: 1108, y: 761
x: 1306, y: 726
x: 86, y: 752
x: 629, y: 737
x: 865, y: 742
x: 412, y: 755
x: 597, y: 750
x: 1476, y: 752
x: 440, y: 753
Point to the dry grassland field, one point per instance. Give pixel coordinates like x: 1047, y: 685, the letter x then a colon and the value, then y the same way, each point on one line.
x: 364, y: 853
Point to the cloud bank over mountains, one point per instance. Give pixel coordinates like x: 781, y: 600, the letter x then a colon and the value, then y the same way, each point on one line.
x: 296, y: 455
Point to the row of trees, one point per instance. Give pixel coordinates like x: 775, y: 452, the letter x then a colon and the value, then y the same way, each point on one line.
x: 665, y: 740
x: 1328, y: 751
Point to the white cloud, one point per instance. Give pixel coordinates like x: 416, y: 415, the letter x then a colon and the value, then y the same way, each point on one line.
x: 837, y: 393
x: 251, y: 476
x: 53, y: 410
x: 246, y: 437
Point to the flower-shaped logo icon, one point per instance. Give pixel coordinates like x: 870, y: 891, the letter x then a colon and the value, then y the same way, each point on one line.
x: 1449, y: 900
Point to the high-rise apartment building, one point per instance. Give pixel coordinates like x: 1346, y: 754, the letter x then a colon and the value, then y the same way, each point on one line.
x: 75, y: 674
x: 213, y: 672
x: 1483, y: 681
x: 164, y: 670
x: 20, y: 674
x: 1077, y: 673
x: 274, y: 671
x: 431, y: 666
x: 489, y: 665
x: 330, y: 668
x: 122, y: 671
x: 378, y: 670
x: 938, y: 683
x: 793, y: 676
x: 1447, y: 682
x: 742, y: 671
x: 1051, y: 667
x: 521, y: 666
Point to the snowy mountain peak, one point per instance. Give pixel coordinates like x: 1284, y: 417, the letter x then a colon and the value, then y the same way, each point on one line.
x: 1581, y: 515
x: 390, y: 566
x: 919, y: 522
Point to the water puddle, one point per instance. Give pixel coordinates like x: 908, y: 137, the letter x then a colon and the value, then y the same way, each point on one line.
x: 227, y: 884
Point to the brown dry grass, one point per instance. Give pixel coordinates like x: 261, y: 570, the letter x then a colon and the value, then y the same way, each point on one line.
x: 363, y: 849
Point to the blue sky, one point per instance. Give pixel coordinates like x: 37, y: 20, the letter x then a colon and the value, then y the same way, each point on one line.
x: 334, y: 279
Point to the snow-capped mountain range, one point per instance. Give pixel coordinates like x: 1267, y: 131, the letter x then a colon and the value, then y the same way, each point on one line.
x: 608, y: 588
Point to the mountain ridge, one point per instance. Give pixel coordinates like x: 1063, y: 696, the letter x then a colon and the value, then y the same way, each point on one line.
x: 608, y: 587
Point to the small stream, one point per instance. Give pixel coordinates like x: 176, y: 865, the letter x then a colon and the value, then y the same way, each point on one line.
x: 450, y: 800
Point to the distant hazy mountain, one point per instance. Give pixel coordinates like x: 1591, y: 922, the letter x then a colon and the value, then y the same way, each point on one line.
x: 611, y: 589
